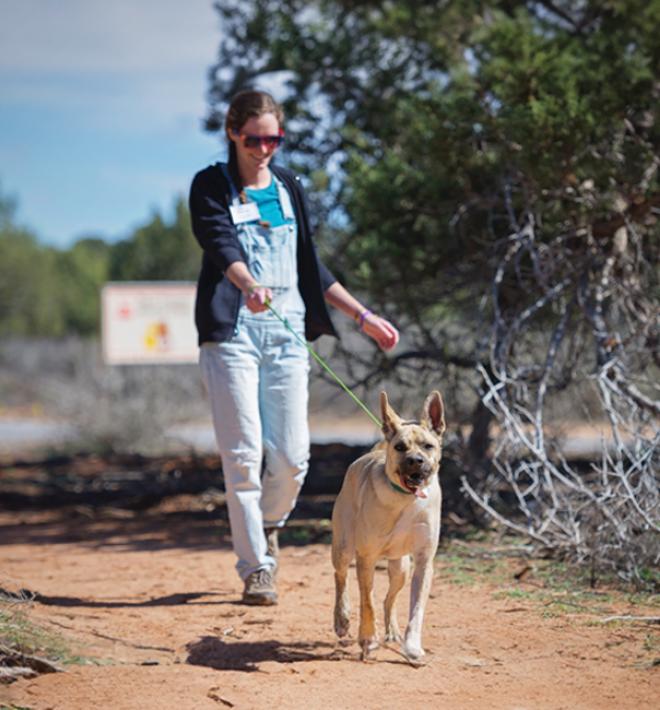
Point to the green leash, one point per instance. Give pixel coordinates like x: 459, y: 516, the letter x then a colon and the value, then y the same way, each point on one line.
x: 326, y: 367
x: 336, y: 377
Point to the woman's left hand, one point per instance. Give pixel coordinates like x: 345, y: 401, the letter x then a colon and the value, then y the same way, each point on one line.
x: 382, y: 331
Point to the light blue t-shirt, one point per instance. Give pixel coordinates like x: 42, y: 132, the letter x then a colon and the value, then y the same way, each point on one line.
x: 268, y: 202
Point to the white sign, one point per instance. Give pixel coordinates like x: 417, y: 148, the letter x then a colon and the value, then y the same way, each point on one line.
x: 148, y: 322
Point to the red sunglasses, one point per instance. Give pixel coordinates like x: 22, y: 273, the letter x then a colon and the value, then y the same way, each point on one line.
x: 269, y: 142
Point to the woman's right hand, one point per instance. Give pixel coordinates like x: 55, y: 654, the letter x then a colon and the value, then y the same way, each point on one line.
x: 257, y: 298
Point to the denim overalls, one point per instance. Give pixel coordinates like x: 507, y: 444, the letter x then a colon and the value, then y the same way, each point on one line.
x: 257, y: 384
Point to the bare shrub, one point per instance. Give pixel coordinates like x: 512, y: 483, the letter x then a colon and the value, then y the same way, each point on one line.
x: 593, y: 309
x: 118, y: 409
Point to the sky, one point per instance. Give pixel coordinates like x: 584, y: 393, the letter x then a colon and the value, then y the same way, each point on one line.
x: 101, y: 110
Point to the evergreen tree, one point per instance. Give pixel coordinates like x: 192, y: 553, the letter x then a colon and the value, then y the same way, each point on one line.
x: 28, y: 303
x: 159, y: 250
x: 435, y: 130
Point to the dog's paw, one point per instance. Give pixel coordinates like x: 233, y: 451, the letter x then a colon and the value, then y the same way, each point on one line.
x: 393, y: 636
x: 413, y: 653
x: 368, y: 645
x: 341, y: 625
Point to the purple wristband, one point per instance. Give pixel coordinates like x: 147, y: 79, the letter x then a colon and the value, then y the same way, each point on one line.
x: 363, y: 316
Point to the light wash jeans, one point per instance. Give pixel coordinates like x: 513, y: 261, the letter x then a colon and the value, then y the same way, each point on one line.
x: 258, y: 386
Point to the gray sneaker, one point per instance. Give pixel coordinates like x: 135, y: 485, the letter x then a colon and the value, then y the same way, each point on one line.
x: 260, y: 588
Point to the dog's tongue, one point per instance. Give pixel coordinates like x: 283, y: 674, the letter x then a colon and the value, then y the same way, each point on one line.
x: 417, y: 491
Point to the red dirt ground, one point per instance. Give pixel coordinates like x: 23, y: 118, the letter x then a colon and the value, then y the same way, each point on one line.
x: 155, y: 602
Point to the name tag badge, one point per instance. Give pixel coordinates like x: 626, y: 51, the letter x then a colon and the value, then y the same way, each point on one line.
x: 248, y: 212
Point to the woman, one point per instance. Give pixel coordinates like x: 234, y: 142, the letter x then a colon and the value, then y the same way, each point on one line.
x: 251, y: 220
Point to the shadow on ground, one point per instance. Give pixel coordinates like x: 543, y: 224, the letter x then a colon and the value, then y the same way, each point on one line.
x: 151, y: 530
x: 177, y: 599
x: 212, y: 652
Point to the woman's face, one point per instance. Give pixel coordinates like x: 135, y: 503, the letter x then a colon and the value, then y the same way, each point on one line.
x: 257, y: 141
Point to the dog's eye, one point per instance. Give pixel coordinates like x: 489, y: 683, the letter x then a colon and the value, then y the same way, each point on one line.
x: 428, y: 446
x: 400, y: 447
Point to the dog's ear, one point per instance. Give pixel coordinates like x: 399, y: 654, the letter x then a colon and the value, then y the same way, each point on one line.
x: 433, y: 414
x: 391, y: 420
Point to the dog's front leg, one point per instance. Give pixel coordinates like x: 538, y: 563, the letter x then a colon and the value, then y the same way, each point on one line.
x: 419, y: 594
x: 398, y: 572
x: 342, y: 603
x: 367, y: 635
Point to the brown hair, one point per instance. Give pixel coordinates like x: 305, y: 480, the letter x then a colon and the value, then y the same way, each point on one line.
x: 244, y: 106
x: 251, y: 104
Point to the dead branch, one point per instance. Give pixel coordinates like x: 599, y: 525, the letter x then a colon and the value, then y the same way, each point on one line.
x: 11, y: 657
x: 644, y: 619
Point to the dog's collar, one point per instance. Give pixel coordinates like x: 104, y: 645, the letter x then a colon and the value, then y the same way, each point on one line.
x: 399, y: 489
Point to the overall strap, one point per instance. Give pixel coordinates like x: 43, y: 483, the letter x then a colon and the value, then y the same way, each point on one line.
x: 285, y: 200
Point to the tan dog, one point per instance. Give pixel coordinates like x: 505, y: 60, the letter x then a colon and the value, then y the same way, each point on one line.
x: 389, y: 506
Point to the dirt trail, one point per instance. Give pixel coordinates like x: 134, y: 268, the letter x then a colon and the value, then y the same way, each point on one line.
x: 154, y: 599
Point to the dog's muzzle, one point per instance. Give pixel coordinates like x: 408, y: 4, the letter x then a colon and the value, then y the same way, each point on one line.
x: 415, y: 473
